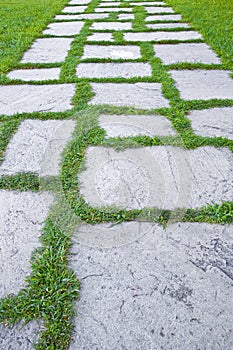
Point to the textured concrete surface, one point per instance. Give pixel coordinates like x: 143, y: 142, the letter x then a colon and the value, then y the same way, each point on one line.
x: 165, y: 177
x: 125, y: 16
x: 36, y: 147
x: 74, y: 9
x: 167, y: 25
x: 64, y: 28
x: 138, y: 95
x: 192, y: 53
x: 111, y: 51
x: 203, y: 84
x: 35, y: 98
x: 47, y: 50
x: 113, y: 9
x: 100, y: 37
x: 111, y: 26
x: 157, y: 36
x: 213, y: 122
x: 21, y: 218
x: 113, y: 70
x: 163, y: 18
x: 134, y: 125
x: 159, y: 9
x: 35, y: 74
x: 82, y: 16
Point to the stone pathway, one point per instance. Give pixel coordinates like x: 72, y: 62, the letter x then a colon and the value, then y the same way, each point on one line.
x: 142, y: 286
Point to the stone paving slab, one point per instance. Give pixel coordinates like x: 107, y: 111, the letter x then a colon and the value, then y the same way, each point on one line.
x: 213, y: 122
x: 47, y: 50
x: 35, y: 74
x: 144, y: 3
x: 64, y: 28
x: 113, y: 9
x: 113, y: 70
x: 21, y: 218
x: 82, y: 16
x: 159, y: 9
x: 135, y: 125
x: 37, y: 146
x: 111, y: 51
x: 111, y: 26
x: 158, y: 36
x: 189, y: 52
x: 35, y: 98
x: 100, y: 37
x: 108, y: 4
x: 203, y: 84
x: 74, y: 9
x: 168, y: 289
x: 163, y: 177
x: 123, y: 16
x: 138, y: 95
x: 161, y: 18
x: 79, y: 2
x: 167, y: 25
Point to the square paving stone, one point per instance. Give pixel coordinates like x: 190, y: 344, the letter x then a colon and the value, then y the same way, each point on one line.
x: 35, y: 98
x: 125, y: 16
x: 135, y: 125
x: 35, y: 74
x: 161, y: 18
x: 168, y: 289
x: 158, y: 36
x: 203, y: 84
x: 163, y: 177
x: 192, y: 53
x: 113, y: 70
x: 111, y: 51
x: 213, y: 122
x: 159, y: 9
x: 113, y: 9
x: 138, y: 95
x: 37, y: 146
x: 100, y: 37
x: 82, y: 16
x: 111, y: 26
x: 74, y: 9
x: 47, y: 50
x: 64, y: 28
x: 167, y: 25
x: 21, y: 218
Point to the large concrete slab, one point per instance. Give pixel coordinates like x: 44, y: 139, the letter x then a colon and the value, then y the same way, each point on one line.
x: 169, y: 289
x: 169, y: 25
x: 135, y: 125
x: 35, y: 98
x: 113, y: 70
x: 162, y: 18
x: 82, y: 16
x: 36, y: 147
x: 100, y: 37
x: 113, y: 9
x: 138, y: 95
x: 64, y: 28
x: 41, y: 74
x: 163, y: 177
x: 74, y: 9
x: 213, y: 122
x: 189, y: 52
x: 112, y: 51
x: 111, y: 26
x: 159, y: 36
x: 159, y: 9
x: 203, y: 84
x: 21, y: 218
x: 47, y: 50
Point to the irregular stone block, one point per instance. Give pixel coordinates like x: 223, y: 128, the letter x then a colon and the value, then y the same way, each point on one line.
x: 113, y: 9
x: 82, y: 16
x: 64, y: 28
x: 158, y: 36
x: 167, y: 25
x: 35, y: 74
x: 159, y: 9
x: 100, y: 37
x: 163, y: 18
x: 74, y: 9
x: 111, y: 51
x: 111, y: 26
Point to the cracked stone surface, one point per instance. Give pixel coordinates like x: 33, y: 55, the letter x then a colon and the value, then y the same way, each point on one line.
x: 113, y: 70
x: 113, y: 9
x: 157, y: 36
x: 41, y: 74
x: 181, y: 300
x: 74, y: 9
x: 163, y: 18
x: 111, y: 26
x: 167, y: 25
x: 138, y: 95
x: 203, y: 84
x: 22, y: 216
x: 135, y: 125
x: 47, y: 50
x: 35, y: 98
x: 100, y: 37
x: 125, y: 16
x: 163, y: 177
x: 36, y: 147
x: 159, y: 9
x: 213, y: 122
x: 82, y: 16
x: 64, y: 28
x: 192, y: 53
x: 111, y: 51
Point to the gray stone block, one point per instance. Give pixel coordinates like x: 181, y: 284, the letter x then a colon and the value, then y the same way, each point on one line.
x: 158, y: 36
x: 64, y: 28
x: 21, y: 218
x: 35, y: 98
x: 100, y: 37
x: 74, y: 9
x: 82, y: 16
x: 159, y: 9
x: 135, y: 125
x: 125, y: 16
x: 111, y: 26
x: 36, y: 147
x: 203, y: 84
x: 138, y: 95
x: 41, y: 74
x: 162, y: 177
x: 167, y: 25
x: 111, y: 51
x: 113, y: 9
x: 161, y: 18
x: 213, y: 122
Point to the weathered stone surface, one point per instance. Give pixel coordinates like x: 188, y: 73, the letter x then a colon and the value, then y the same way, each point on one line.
x: 203, y: 84
x: 82, y: 16
x: 35, y: 74
x: 35, y: 98
x: 47, y: 50
x: 113, y: 9
x: 135, y: 125
x: 79, y: 2
x: 164, y: 177
x: 21, y: 218
x: 157, y: 36
x: 100, y: 37
x: 111, y: 26
x: 113, y: 70
x: 64, y: 28
x: 159, y: 9
x: 213, y: 122
x: 123, y: 16
x: 36, y: 147
x: 189, y: 52
x: 111, y: 51
x: 167, y: 25
x: 74, y: 9
x: 168, y: 289
x: 163, y: 18
x: 139, y: 95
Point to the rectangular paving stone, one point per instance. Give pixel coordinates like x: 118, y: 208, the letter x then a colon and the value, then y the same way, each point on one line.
x: 108, y: 4
x: 79, y: 2
x: 125, y: 16
x: 22, y: 216
x: 35, y: 98
x: 82, y: 16
x: 213, y: 122
x: 111, y: 26
x: 189, y: 52
x: 74, y: 9
x: 111, y: 51
x: 159, y: 9
x: 113, y: 70
x: 113, y: 9
x: 135, y: 125
x: 47, y: 50
x: 40, y: 74
x: 100, y: 37
x: 138, y: 95
x: 64, y: 28
x: 158, y: 36
x: 163, y: 177
x: 37, y: 146
x: 167, y: 25
x: 203, y: 84
x: 145, y: 3
x: 162, y: 18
